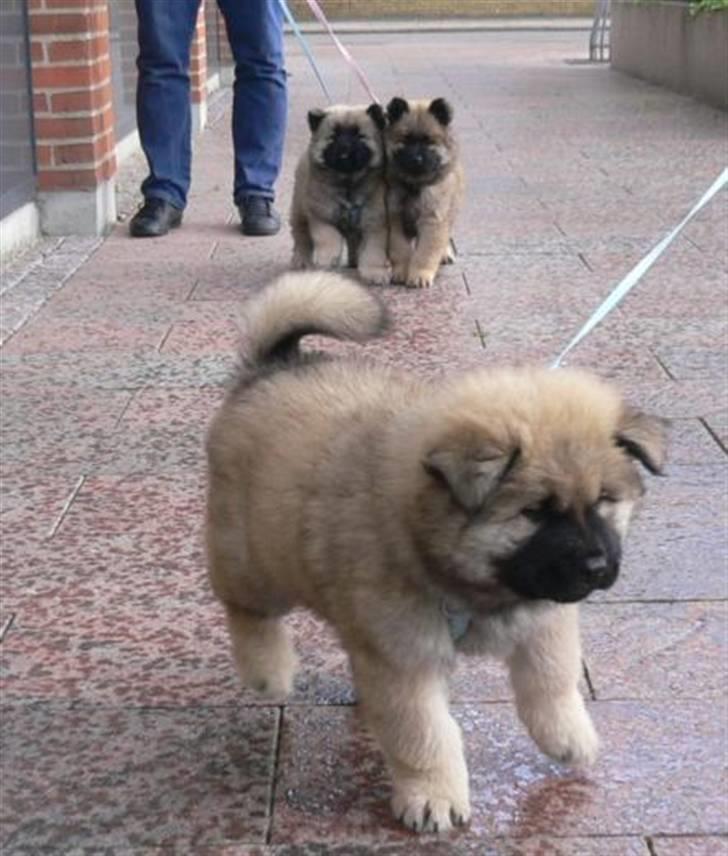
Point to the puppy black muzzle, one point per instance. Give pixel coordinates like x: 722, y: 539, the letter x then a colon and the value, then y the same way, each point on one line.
x: 417, y: 160
x: 347, y: 153
x: 564, y: 560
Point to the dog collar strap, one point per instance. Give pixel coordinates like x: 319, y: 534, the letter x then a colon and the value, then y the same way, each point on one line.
x: 458, y: 620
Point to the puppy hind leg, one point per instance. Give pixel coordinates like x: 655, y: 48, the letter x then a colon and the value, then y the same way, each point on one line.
x: 409, y: 717
x: 545, y: 668
x: 263, y: 652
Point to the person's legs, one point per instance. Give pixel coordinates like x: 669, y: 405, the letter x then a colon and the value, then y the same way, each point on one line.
x: 165, y: 29
x: 255, y: 30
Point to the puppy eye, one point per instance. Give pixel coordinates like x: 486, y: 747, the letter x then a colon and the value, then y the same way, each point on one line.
x: 605, y: 496
x: 535, y: 511
x: 540, y: 509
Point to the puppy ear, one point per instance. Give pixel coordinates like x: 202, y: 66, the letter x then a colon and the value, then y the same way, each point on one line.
x: 471, y: 475
x: 376, y: 114
x: 315, y: 118
x: 396, y: 108
x: 441, y: 110
x: 644, y: 438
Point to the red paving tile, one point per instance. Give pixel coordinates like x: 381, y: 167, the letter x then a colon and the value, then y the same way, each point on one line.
x: 132, y: 779
x: 125, y: 728
x: 709, y: 845
x: 332, y: 786
x: 659, y: 651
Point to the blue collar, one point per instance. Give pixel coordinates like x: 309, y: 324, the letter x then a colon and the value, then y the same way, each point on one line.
x: 458, y: 620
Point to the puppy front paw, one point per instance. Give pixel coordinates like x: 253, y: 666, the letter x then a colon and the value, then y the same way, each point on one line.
x: 420, y: 278
x: 448, y: 257
x: 325, y: 258
x: 399, y: 273
x: 300, y: 261
x: 376, y: 275
x: 424, y: 807
x: 564, y: 731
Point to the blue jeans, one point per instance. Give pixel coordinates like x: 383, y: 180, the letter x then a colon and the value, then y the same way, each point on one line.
x: 255, y: 31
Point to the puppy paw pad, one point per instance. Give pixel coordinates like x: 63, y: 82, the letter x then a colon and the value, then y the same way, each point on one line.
x: 421, y: 813
x: 376, y: 275
x: 420, y: 280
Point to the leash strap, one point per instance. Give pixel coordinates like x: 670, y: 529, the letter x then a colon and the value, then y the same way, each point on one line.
x: 319, y: 13
x: 304, y: 44
x: 639, y: 270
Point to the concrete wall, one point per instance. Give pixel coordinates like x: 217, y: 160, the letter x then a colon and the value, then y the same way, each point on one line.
x: 663, y: 43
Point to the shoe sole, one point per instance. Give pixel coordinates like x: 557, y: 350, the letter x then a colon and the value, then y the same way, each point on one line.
x: 174, y: 224
x: 259, y: 233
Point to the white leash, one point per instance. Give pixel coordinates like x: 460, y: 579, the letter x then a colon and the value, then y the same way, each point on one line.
x: 640, y: 269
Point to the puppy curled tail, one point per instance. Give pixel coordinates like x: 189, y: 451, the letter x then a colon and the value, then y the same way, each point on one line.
x: 303, y: 304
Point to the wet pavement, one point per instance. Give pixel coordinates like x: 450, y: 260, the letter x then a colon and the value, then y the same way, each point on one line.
x: 123, y: 727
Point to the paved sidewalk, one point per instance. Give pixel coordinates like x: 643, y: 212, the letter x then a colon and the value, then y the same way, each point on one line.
x: 123, y: 728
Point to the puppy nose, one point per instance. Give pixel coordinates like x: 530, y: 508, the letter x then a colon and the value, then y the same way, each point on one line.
x: 597, y: 566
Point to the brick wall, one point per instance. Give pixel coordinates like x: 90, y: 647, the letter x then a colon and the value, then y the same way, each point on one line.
x: 72, y: 95
x: 198, y: 60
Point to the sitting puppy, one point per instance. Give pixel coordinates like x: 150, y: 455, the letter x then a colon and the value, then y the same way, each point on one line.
x: 425, y: 181
x: 338, y: 195
x: 420, y: 519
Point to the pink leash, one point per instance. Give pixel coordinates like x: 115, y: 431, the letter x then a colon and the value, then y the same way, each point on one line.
x: 322, y: 19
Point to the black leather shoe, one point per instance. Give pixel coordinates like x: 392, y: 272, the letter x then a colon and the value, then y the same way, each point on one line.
x: 154, y: 219
x: 258, y: 216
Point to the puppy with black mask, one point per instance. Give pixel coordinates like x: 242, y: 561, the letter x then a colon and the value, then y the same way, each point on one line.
x: 338, y: 214
x: 425, y: 187
x: 421, y: 519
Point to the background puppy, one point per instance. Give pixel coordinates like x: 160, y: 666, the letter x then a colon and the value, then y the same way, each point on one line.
x: 425, y: 181
x: 387, y: 505
x: 338, y: 195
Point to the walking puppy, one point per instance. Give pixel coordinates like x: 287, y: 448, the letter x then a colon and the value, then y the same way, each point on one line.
x: 385, y: 504
x: 425, y: 180
x: 338, y: 195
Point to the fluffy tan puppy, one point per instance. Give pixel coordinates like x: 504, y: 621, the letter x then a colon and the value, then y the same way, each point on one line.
x: 338, y: 213
x: 421, y: 520
x: 425, y: 181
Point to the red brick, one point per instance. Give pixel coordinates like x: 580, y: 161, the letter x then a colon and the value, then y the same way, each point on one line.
x: 69, y: 76
x: 44, y: 155
x: 82, y: 100
x: 74, y: 153
x: 37, y: 52
x: 74, y: 4
x: 68, y: 23
x: 77, y: 179
x: 40, y: 102
x: 83, y: 153
x: 77, y: 126
x: 84, y: 49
